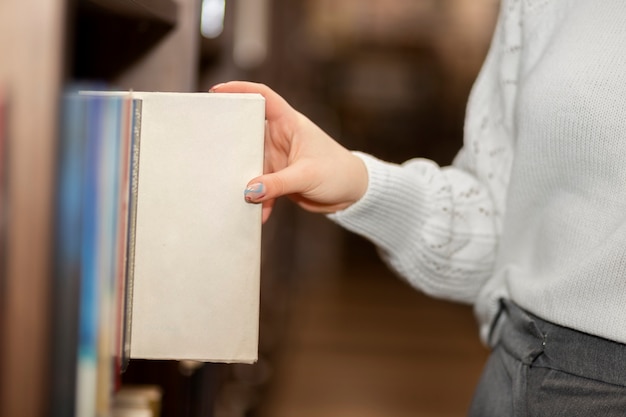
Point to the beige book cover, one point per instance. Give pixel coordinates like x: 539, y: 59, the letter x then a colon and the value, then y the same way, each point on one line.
x: 195, y: 289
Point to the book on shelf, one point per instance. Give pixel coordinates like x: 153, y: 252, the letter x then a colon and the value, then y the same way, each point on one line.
x: 157, y: 255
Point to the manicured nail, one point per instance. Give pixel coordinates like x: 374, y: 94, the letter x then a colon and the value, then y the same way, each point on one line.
x: 215, y: 87
x: 254, y: 192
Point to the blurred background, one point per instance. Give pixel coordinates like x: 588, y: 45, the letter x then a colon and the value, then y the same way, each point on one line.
x: 340, y: 334
x: 343, y: 336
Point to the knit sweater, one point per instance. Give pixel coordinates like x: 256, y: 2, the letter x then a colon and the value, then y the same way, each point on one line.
x: 533, y: 208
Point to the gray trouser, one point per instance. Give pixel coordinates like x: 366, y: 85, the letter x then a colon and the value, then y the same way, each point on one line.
x: 540, y: 369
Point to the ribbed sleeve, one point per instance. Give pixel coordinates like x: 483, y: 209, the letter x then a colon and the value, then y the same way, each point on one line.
x: 438, y: 227
x: 433, y: 225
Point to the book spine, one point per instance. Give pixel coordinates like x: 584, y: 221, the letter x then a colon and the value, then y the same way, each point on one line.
x: 108, y: 182
x: 132, y: 222
x: 67, y: 255
x: 86, y: 378
x: 122, y: 238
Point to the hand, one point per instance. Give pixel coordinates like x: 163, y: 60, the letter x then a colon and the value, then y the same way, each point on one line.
x: 301, y: 160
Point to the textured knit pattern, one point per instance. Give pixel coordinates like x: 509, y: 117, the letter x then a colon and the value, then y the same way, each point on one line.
x: 534, y: 206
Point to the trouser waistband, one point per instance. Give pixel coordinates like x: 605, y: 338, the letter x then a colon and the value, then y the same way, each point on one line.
x: 537, y: 342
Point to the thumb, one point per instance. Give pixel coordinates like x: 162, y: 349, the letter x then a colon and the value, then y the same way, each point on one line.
x: 264, y: 188
x: 277, y: 184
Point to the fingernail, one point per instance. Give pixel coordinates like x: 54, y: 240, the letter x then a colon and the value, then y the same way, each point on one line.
x: 215, y: 87
x: 254, y: 192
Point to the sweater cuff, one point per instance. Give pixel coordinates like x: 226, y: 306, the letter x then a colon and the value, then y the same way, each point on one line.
x: 389, y: 195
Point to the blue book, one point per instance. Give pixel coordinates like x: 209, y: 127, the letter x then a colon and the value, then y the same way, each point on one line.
x: 67, y: 259
x: 89, y: 295
x: 108, y: 229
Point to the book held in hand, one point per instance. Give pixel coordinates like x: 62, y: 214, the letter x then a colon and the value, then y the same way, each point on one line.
x: 196, y: 241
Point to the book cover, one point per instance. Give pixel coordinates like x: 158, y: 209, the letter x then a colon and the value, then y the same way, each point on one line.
x: 196, y: 242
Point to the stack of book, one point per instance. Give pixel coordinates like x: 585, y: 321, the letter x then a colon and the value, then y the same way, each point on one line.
x: 91, y: 252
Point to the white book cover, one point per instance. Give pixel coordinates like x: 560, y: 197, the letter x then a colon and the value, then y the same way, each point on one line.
x: 197, y: 242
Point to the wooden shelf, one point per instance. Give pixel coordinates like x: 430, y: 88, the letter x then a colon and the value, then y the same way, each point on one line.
x: 110, y: 36
x: 165, y: 11
x: 142, y: 44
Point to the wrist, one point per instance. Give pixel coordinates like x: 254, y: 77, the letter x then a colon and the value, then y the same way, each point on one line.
x: 361, y: 177
x: 356, y: 181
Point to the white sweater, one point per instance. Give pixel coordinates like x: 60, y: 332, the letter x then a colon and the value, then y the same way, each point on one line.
x: 534, y: 206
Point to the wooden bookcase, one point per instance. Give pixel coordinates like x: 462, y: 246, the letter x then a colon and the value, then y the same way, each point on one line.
x: 130, y: 44
x: 31, y: 38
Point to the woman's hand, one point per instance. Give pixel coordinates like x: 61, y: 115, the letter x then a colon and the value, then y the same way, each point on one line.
x: 301, y: 161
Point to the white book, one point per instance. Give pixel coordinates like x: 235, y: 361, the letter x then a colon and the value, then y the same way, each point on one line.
x: 197, y: 242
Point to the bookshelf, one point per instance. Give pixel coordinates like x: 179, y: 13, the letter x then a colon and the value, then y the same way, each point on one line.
x: 130, y: 44
x: 164, y: 11
x: 136, y: 44
x: 31, y: 36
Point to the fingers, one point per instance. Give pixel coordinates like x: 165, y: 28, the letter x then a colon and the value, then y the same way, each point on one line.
x: 275, y: 105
